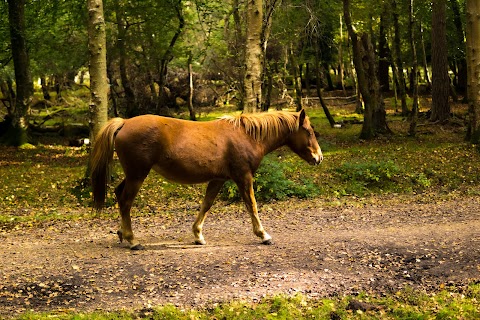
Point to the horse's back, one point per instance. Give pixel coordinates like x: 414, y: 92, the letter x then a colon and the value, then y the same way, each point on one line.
x: 180, y: 150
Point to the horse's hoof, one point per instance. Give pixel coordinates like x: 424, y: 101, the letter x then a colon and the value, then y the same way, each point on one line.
x: 137, y: 247
x: 267, y: 242
x: 200, y: 242
x: 120, y: 235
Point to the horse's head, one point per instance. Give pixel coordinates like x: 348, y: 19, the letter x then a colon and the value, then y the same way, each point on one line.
x: 304, y: 141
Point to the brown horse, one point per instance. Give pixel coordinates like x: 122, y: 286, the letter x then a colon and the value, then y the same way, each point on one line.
x: 188, y: 152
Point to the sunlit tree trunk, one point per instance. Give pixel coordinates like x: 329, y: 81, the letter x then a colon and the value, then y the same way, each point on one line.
x: 473, y: 68
x: 98, y: 67
x: 440, y: 79
x: 190, y: 89
x: 253, y: 56
x: 340, y: 58
x: 17, y: 133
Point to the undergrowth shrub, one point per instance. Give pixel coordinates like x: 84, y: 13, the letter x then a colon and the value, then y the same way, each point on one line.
x: 367, y: 177
x: 271, y: 183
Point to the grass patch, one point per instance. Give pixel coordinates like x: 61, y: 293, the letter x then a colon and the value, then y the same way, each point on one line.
x: 449, y: 303
x: 44, y: 183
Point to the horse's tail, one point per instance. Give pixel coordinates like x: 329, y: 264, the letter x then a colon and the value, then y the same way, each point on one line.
x: 100, y: 159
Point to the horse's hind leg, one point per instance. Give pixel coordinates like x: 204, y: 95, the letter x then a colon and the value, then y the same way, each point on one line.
x: 245, y: 188
x: 126, y: 192
x: 212, y: 190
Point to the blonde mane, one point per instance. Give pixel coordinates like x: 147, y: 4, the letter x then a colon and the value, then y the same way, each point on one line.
x: 264, y: 125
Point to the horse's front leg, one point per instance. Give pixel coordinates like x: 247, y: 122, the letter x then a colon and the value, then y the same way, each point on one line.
x: 126, y: 192
x: 213, y: 189
x: 246, y: 190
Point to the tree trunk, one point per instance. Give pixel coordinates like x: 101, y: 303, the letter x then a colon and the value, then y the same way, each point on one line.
x: 269, y: 88
x: 424, y: 61
x: 17, y: 134
x: 98, y: 67
x: 43, y: 83
x: 190, y: 89
x: 253, y: 56
x: 440, y: 79
x: 131, y: 108
x: 473, y: 62
x: 340, y: 58
x: 383, y: 63
x: 398, y: 59
x: 411, y: 33
x: 319, y: 84
x: 374, y: 116
x: 326, y: 69
x: 167, y: 57
x: 297, y: 82
x: 461, y: 85
x: 238, y: 51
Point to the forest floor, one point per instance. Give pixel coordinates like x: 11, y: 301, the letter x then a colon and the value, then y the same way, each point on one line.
x: 318, y: 251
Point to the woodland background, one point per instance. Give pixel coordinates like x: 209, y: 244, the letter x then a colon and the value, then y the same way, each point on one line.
x: 392, y: 87
x: 165, y: 56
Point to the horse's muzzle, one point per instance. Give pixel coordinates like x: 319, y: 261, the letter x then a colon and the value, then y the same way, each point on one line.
x: 317, y: 158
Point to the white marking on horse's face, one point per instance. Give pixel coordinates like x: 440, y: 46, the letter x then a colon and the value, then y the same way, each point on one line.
x: 317, y: 155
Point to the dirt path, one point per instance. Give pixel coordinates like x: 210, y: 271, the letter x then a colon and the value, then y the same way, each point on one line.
x: 318, y: 252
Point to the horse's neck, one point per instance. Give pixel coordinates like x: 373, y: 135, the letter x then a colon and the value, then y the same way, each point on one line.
x: 274, y: 142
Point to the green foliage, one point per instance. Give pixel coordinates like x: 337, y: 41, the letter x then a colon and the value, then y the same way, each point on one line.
x: 272, y: 183
x: 46, y: 181
x: 367, y: 176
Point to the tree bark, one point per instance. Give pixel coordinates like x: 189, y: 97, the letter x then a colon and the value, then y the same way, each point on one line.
x: 190, y: 89
x: 398, y: 59
x: 374, y: 116
x: 424, y: 61
x: 297, y: 81
x: 318, y: 86
x: 473, y: 76
x: 253, y: 56
x: 17, y: 134
x: 98, y: 67
x: 411, y: 34
x: 340, y: 59
x: 167, y: 57
x: 383, y: 54
x: 122, y: 61
x: 460, y: 42
x: 440, y: 79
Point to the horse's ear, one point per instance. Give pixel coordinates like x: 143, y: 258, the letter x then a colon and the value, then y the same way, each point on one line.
x: 301, y: 117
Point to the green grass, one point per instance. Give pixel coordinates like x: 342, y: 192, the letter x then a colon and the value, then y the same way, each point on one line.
x: 44, y: 183
x: 449, y: 303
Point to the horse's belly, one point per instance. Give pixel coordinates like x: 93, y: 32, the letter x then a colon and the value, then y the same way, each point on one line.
x: 187, y: 172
